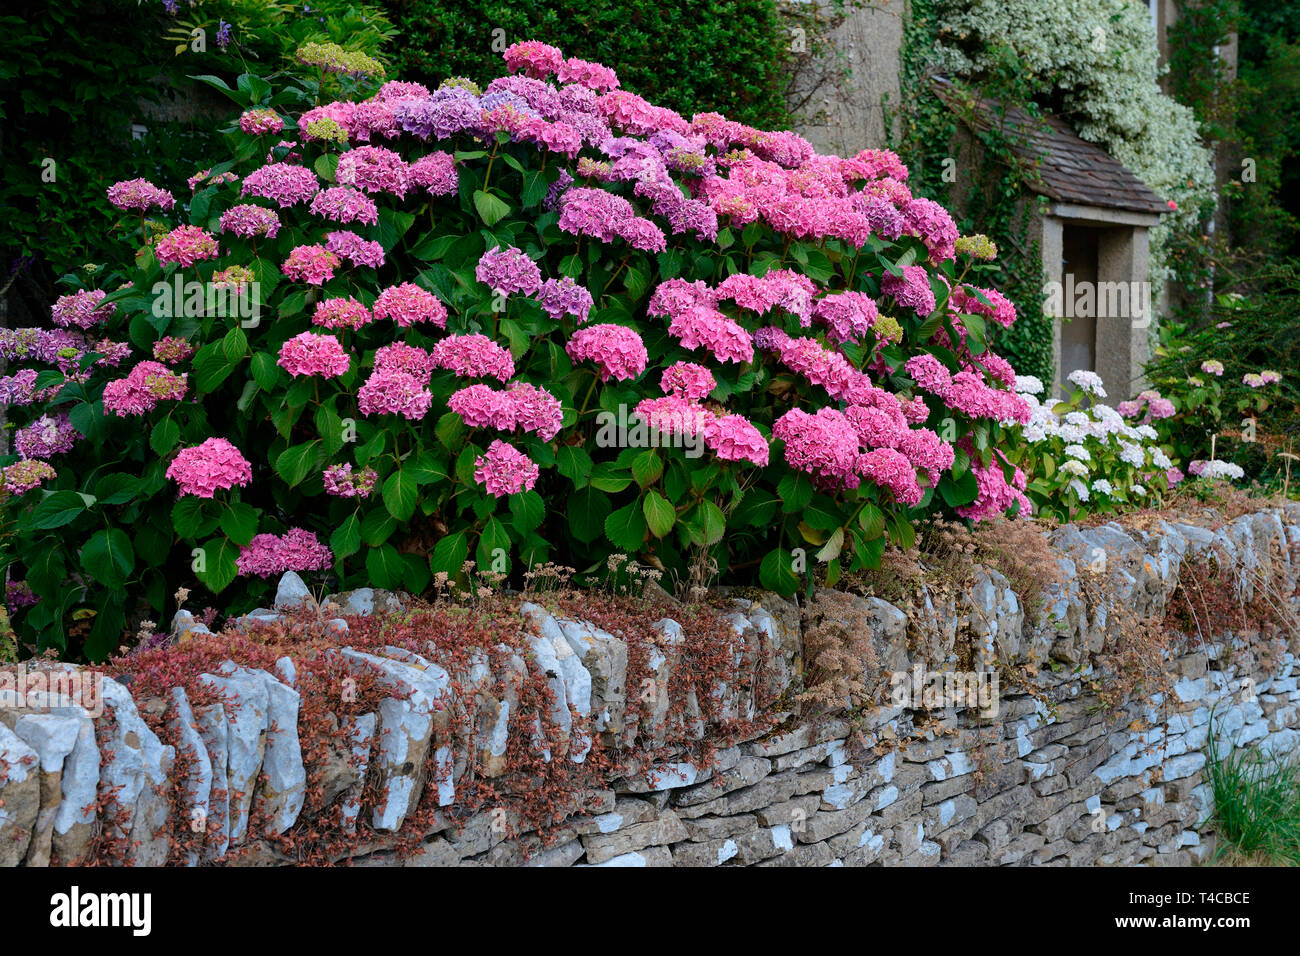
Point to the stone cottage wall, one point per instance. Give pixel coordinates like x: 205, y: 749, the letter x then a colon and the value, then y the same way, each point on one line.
x: 1039, y: 774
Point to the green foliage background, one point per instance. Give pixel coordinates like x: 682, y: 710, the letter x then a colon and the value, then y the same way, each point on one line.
x: 688, y: 55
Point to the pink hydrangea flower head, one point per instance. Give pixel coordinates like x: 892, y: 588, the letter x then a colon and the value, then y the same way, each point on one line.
x: 535, y: 59
x: 81, y: 310
x: 473, y: 356
x: 734, y: 438
x: 285, y: 184
x: 374, y: 170
x: 407, y: 304
x: 204, y: 177
x: 707, y: 328
x: 563, y: 296
x: 594, y: 76
x: 140, y: 195
x: 995, y: 496
x: 823, y: 444
x: 848, y: 316
x: 780, y: 288
x: 616, y: 350
x: 313, y: 264
x: 348, y: 245
x: 394, y: 393
x: 505, y: 470
x: 674, y: 415
x: 910, y: 290
x: 508, y: 270
x: 24, y: 476
x: 482, y: 406
x: 343, y: 204
x: 688, y: 380
x: 258, y: 122
x: 172, y: 350
x: 186, y: 245
x: 310, y: 353
x: 296, y: 550
x: 892, y: 471
x: 341, y: 313
x: 930, y: 221
x: 250, y: 221
x: 144, y: 387
x: 214, y: 465
x: 436, y: 172
x: 400, y: 357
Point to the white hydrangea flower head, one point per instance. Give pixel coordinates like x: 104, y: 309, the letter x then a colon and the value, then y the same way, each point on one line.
x: 1090, y: 382
x: 1029, y: 385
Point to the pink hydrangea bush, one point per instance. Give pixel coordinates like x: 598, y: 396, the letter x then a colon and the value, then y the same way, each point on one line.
x: 534, y: 316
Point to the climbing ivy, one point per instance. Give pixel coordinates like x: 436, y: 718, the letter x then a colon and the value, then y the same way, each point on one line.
x: 991, y: 195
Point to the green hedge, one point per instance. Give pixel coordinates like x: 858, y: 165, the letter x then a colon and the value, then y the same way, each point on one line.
x: 689, y: 55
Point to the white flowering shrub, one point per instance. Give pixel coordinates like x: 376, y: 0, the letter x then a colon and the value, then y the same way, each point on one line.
x: 1081, y: 456
x: 1101, y: 58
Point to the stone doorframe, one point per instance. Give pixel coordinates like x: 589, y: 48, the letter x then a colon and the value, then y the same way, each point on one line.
x: 1123, y: 302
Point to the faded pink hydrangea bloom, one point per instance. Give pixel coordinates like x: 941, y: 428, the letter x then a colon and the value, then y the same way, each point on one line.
x: 342, y: 482
x: 23, y: 476
x: 310, y: 353
x: 204, y: 177
x: 172, y: 349
x: 212, y: 466
x: 147, y: 384
x: 505, y: 470
x: 46, y: 437
x: 260, y: 121
x: 81, y: 309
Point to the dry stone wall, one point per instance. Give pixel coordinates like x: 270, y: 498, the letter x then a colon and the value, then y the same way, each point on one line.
x: 1039, y: 773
